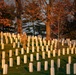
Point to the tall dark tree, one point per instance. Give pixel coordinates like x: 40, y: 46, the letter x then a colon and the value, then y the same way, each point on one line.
x: 18, y: 13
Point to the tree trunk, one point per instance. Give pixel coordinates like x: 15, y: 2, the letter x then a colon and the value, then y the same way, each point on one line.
x: 19, y: 24
x: 51, y: 2
x: 48, y: 31
x: 75, y: 5
x: 19, y: 11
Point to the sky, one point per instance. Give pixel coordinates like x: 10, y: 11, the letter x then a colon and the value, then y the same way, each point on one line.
x: 12, y: 1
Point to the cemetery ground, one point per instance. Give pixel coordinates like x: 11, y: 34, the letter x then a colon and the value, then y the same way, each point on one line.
x: 40, y: 57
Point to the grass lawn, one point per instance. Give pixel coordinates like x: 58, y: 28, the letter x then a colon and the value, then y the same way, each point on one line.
x: 23, y: 69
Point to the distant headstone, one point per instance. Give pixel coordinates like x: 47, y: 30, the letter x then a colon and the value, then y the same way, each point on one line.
x: 38, y: 66
x: 68, y: 69
x: 18, y: 60
x: 5, y: 69
x: 43, y: 55
x: 33, y: 49
x: 11, y: 62
x: 59, y: 52
x: 10, y: 53
x: 37, y: 56
x: 30, y: 67
x: 22, y: 50
x: 27, y: 49
x: 46, y: 65
x: 58, y: 63
x: 31, y: 57
x: 37, y: 48
x: 16, y: 52
x: 52, y: 63
x: 68, y: 50
x: 74, y: 68
x: 3, y: 62
x: 69, y: 59
x: 63, y: 51
x: 2, y: 46
x: 49, y: 54
x: 25, y: 59
x: 52, y: 71
x: 3, y: 54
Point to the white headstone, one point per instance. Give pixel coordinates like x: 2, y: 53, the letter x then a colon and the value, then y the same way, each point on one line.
x: 5, y: 69
x: 43, y: 55
x: 28, y: 44
x: 47, y: 48
x: 1, y: 37
x: 2, y: 46
x: 3, y: 62
x: 16, y: 40
x: 54, y: 54
x: 37, y: 56
x: 52, y: 71
x: 18, y: 60
x: 10, y: 53
x: 11, y: 40
x: 22, y: 50
x: 42, y: 48
x: 68, y: 50
x: 14, y: 44
x: 38, y: 66
x: 52, y: 63
x: 46, y: 65
x: 32, y: 48
x: 25, y: 59
x: 49, y: 54
x: 69, y: 59
x: 62, y: 43
x: 11, y: 62
x: 40, y: 43
x: 74, y: 45
x: 44, y: 42
x: 63, y: 51
x: 27, y: 49
x: 72, y: 51
x: 16, y: 51
x: 2, y: 40
x: 36, y: 43
x: 32, y: 43
x: 6, y: 40
x: 51, y: 48
x: 74, y: 68
x: 59, y: 52
x: 48, y: 42
x: 58, y: 63
x: 3, y: 54
x: 30, y: 67
x: 18, y: 44
x: 37, y: 48
x: 31, y: 57
x: 67, y: 68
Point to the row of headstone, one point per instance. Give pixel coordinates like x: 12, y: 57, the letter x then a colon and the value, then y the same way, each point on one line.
x: 11, y: 37
x: 68, y: 69
x: 31, y: 69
